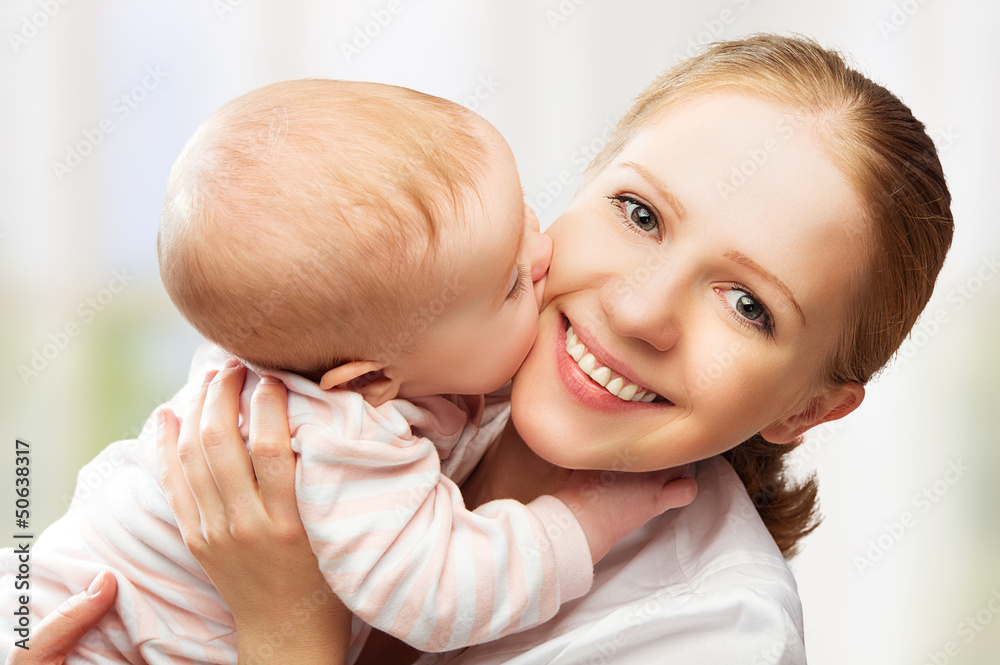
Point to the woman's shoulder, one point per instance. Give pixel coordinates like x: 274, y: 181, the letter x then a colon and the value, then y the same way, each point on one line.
x: 704, y: 583
x: 722, y: 531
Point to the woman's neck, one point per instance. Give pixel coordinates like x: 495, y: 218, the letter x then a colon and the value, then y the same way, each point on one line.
x: 511, y: 470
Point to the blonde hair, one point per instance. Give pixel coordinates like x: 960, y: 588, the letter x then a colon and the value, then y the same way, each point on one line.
x: 301, y: 219
x: 893, y: 167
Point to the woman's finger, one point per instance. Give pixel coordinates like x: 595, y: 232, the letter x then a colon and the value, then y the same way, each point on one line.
x: 58, y: 633
x: 223, y: 445
x: 192, y: 459
x: 271, y: 450
x: 175, y: 486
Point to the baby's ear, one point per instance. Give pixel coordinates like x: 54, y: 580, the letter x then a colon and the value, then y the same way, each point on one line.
x: 364, y: 377
x: 834, y: 404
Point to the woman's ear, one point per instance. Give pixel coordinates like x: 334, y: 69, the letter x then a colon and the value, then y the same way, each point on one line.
x: 834, y: 404
x: 364, y: 377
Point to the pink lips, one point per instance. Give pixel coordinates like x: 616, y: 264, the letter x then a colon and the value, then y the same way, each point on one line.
x: 590, y: 393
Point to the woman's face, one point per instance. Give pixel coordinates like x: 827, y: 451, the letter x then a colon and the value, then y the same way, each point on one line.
x: 710, y: 263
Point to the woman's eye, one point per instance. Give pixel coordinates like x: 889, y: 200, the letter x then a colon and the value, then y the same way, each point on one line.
x: 636, y: 213
x: 749, y: 310
x: 745, y: 305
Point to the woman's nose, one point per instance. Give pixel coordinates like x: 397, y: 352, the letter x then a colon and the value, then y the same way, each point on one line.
x: 645, y: 304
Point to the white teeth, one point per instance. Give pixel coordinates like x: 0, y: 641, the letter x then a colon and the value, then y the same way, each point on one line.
x: 614, y: 384
x: 602, y: 375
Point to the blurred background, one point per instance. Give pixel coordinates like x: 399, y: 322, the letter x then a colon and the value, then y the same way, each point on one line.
x: 99, y: 97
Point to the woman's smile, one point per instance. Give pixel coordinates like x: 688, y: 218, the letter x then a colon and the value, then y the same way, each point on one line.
x: 595, y: 376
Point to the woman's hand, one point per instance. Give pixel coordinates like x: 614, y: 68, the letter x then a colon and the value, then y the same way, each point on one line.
x: 237, y: 514
x: 59, y: 632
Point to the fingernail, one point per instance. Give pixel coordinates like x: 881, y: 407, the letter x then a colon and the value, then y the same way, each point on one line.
x: 161, y: 417
x: 209, y: 375
x: 269, y: 380
x: 96, y: 586
x: 232, y: 363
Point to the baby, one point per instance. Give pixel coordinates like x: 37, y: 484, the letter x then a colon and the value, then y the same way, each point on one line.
x: 369, y: 247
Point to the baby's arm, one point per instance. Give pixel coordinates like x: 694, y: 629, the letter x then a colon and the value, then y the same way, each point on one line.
x: 612, y: 504
x: 395, y: 541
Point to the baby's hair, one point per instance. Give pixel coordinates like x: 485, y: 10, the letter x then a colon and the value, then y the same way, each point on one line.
x: 893, y: 167
x: 301, y: 219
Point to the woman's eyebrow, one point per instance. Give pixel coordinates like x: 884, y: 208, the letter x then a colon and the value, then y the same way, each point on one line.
x: 660, y: 187
x: 743, y: 259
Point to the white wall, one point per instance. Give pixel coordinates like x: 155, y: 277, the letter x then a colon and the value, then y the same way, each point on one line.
x: 550, y: 75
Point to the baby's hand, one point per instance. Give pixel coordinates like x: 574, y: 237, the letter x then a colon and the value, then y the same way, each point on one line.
x: 612, y: 504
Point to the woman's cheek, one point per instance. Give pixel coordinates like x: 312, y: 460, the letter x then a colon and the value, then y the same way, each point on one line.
x: 580, y: 251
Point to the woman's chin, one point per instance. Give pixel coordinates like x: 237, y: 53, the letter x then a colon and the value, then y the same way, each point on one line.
x: 549, y: 437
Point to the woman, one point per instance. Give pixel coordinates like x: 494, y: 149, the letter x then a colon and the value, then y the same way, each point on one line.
x: 753, y: 243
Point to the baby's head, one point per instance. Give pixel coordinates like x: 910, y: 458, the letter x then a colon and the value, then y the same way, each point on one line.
x: 347, y: 230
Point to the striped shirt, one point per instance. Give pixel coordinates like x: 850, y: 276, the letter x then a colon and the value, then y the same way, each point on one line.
x: 376, y: 489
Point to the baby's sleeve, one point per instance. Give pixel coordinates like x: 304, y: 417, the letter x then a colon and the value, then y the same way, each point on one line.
x: 396, y: 543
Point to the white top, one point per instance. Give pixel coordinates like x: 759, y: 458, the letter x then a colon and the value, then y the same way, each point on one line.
x: 702, y: 584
